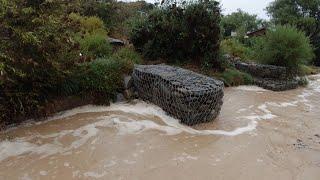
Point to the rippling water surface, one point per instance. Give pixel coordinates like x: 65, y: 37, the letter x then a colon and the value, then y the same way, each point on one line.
x: 259, y: 134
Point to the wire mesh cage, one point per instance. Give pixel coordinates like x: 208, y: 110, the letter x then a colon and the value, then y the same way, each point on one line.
x: 186, y: 95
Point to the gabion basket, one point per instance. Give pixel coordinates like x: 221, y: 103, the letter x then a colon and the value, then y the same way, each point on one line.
x: 186, y: 95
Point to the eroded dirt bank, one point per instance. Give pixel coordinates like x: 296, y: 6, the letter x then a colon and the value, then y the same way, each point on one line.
x: 259, y: 135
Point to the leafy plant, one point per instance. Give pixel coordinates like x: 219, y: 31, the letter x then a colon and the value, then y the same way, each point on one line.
x: 308, y: 70
x: 240, y: 22
x: 233, y: 77
x: 92, y: 23
x: 37, y: 50
x: 302, y: 14
x: 236, y: 49
x: 128, y: 54
x: 114, y: 14
x: 95, y: 45
x: 180, y: 33
x: 284, y: 46
x: 101, y: 77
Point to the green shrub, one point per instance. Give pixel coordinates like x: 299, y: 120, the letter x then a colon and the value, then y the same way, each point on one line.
x: 95, y: 45
x: 102, y: 77
x: 93, y: 36
x: 92, y: 24
x: 284, y: 46
x: 236, y: 49
x: 181, y: 33
x: 115, y: 13
x: 233, y: 77
x: 106, y: 10
x: 37, y: 51
x: 131, y: 22
x: 308, y: 70
x: 128, y: 54
x: 88, y: 24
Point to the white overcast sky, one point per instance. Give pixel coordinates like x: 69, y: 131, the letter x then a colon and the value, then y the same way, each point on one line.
x: 228, y: 6
x: 250, y: 6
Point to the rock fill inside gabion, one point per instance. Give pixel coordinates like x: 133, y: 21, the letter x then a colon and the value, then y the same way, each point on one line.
x: 186, y: 95
x: 269, y: 77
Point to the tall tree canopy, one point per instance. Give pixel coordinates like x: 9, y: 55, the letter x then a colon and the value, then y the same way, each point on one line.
x: 304, y: 14
x: 240, y: 21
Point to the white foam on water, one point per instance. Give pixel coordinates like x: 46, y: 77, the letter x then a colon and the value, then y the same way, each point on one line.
x: 172, y: 125
x: 241, y: 110
x: 94, y: 174
x: 77, y: 110
x: 21, y: 146
x: 312, y: 89
x: 110, y: 164
x: 184, y: 157
x: 284, y: 104
x: 75, y: 173
x: 134, y: 127
x: 250, y: 88
x: 315, y: 84
x: 126, y: 161
x: 26, y: 177
x: 43, y: 173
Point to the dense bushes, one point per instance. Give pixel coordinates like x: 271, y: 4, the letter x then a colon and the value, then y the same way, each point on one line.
x: 305, y: 70
x: 42, y: 50
x: 233, y: 77
x: 95, y: 45
x: 115, y: 14
x: 36, y: 52
x: 180, y: 33
x: 105, y: 10
x: 235, y: 48
x: 284, y: 46
x: 128, y: 55
x: 102, y: 76
x: 92, y: 37
x: 305, y: 15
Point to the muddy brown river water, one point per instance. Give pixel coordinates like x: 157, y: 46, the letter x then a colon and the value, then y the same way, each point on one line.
x: 259, y: 134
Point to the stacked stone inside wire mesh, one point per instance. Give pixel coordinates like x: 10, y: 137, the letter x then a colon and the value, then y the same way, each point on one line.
x: 188, y: 96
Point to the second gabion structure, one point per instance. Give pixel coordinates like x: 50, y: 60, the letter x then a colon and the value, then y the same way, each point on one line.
x: 186, y: 95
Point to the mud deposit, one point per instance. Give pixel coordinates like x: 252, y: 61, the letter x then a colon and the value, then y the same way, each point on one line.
x: 259, y: 135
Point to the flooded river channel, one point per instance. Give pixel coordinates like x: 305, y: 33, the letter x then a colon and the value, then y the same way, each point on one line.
x: 259, y: 134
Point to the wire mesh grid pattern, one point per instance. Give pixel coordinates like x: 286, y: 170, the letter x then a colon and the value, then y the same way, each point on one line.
x: 186, y: 95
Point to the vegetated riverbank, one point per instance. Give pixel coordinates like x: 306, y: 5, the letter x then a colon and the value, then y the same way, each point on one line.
x: 268, y: 135
x: 51, y: 50
x: 230, y: 77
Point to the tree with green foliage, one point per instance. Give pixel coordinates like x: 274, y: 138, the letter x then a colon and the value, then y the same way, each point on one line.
x: 181, y: 33
x: 106, y: 10
x: 113, y: 13
x: 284, y: 46
x: 240, y: 22
x: 304, y: 14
